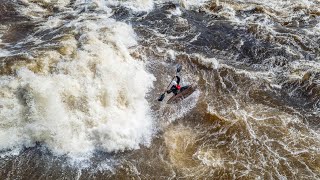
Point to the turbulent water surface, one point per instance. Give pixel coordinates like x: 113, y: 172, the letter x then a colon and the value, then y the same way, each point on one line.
x: 79, y: 82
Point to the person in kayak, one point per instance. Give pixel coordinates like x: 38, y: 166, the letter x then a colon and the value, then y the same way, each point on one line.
x: 175, y: 88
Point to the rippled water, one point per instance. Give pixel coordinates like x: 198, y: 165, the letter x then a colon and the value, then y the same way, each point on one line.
x: 80, y: 78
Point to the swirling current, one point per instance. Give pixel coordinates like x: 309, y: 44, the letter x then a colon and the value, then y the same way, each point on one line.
x: 80, y: 79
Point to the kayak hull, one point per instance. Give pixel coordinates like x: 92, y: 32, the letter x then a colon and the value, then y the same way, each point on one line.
x: 182, y: 95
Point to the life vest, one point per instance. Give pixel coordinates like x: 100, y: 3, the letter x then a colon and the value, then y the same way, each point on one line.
x: 178, y: 86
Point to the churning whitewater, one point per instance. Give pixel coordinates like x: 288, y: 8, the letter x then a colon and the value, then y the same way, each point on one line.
x: 80, y: 79
x: 87, y: 95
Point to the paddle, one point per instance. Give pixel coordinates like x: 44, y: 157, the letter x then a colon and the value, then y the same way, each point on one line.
x: 164, y: 94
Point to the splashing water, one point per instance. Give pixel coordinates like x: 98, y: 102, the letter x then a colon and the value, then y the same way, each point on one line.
x: 79, y: 80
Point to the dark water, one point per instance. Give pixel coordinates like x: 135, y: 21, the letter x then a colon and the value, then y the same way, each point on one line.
x: 255, y: 114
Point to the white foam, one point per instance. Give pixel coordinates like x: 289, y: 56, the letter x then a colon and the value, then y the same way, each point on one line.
x: 209, y: 158
x: 3, y: 52
x: 37, y: 6
x: 135, y: 5
x: 176, y: 12
x: 208, y: 62
x: 49, y: 2
x: 191, y: 4
x: 93, y: 98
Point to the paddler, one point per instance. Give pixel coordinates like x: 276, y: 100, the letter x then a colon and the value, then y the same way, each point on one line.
x: 175, y: 88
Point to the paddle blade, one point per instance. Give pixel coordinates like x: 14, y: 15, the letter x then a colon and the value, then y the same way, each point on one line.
x: 161, y: 97
x: 179, y: 68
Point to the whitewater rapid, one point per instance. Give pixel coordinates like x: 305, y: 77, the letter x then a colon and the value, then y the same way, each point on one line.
x: 87, y: 95
x: 80, y: 79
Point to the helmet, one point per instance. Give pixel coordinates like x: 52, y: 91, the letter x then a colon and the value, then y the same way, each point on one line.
x: 174, y: 83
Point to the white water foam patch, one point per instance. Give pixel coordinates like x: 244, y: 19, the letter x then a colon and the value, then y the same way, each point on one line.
x: 93, y: 100
x: 187, y: 4
x: 207, y: 62
x: 281, y: 6
x: 272, y: 13
x: 3, y: 30
x: 4, y: 53
x: 48, y: 2
x: 37, y: 9
x: 135, y: 5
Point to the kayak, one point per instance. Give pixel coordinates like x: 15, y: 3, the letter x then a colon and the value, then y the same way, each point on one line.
x: 185, y: 92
